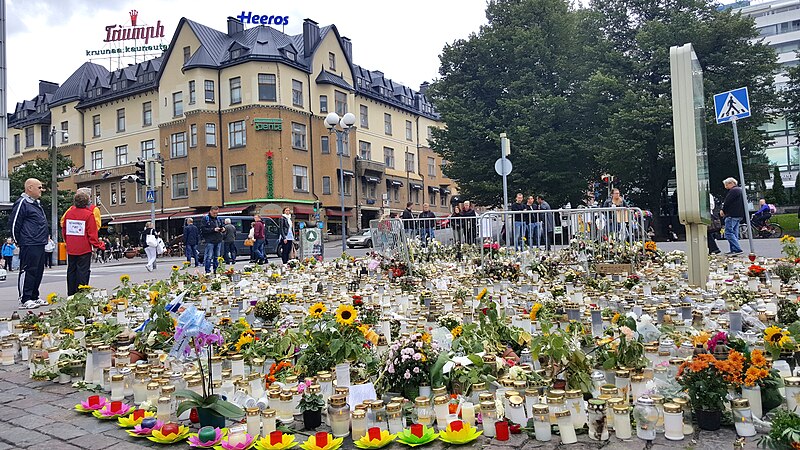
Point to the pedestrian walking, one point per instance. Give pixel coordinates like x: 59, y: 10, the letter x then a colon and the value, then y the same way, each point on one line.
x: 260, y: 236
x: 80, y: 235
x: 212, y: 231
x: 29, y: 230
x: 229, y: 242
x: 548, y: 223
x: 733, y: 213
x: 191, y: 238
x: 286, y: 235
x: 8, y: 254
x: 49, y: 248
x: 149, y: 240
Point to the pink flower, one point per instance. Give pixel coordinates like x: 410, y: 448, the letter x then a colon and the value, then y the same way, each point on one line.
x: 627, y: 332
x: 407, y: 375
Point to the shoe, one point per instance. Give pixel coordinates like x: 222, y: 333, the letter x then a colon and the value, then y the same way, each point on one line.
x: 715, y: 252
x: 30, y: 304
x: 149, y: 269
x: 40, y: 302
x: 734, y: 253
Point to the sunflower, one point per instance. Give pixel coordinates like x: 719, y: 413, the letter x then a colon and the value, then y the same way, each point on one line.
x: 456, y: 332
x: 186, y: 264
x: 702, y: 338
x: 225, y: 321
x: 51, y: 298
x: 615, y: 319
x: 175, y: 268
x: 345, y: 314
x: 243, y: 322
x: 153, y: 297
x: 107, y: 308
x: 481, y: 294
x: 84, y: 287
x: 124, y: 278
x: 787, y: 239
x: 244, y: 339
x: 220, y: 259
x: 68, y: 331
x: 650, y: 246
x: 535, y: 310
x: 776, y: 336
x: 317, y: 310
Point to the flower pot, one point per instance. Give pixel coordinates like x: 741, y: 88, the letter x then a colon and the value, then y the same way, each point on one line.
x: 136, y: 355
x: 312, y: 419
x: 708, y: 420
x: 210, y: 418
x: 130, y: 254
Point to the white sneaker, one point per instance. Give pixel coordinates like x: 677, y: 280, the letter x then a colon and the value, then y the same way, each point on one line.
x: 149, y: 269
x: 40, y: 302
x: 30, y: 304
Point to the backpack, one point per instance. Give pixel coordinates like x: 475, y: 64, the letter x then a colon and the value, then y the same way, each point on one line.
x: 772, y: 208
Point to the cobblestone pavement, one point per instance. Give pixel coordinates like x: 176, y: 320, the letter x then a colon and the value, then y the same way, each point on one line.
x: 40, y: 415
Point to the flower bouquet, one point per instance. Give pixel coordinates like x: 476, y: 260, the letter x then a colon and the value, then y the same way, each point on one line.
x: 408, y: 365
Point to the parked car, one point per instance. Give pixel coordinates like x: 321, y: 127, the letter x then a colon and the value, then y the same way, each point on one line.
x: 242, y: 224
x: 361, y: 239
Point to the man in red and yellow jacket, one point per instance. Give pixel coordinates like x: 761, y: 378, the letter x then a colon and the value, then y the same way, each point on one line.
x: 79, y: 228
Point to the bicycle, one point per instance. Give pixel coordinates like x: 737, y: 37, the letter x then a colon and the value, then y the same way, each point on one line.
x: 768, y: 230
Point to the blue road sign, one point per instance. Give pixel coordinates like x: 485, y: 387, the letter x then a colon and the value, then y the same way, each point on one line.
x: 732, y: 105
x: 320, y: 225
x: 151, y: 196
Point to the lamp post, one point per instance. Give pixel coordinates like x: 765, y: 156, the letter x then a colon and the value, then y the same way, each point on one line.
x: 54, y: 189
x: 345, y: 125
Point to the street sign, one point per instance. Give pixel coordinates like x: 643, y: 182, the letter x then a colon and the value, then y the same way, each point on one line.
x: 311, y: 244
x: 503, y: 166
x: 732, y: 105
x: 320, y: 225
x: 151, y: 196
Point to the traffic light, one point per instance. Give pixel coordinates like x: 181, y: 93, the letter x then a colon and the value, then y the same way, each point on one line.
x: 316, y: 206
x: 141, y: 171
x: 160, y: 167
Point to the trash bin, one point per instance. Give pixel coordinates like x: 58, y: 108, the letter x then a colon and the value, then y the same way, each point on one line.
x: 62, y: 253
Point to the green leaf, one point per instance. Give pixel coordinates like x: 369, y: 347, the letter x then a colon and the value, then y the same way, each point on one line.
x: 227, y: 409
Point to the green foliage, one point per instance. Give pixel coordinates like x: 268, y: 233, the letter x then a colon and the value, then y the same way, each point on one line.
x: 778, y: 192
x: 785, y: 430
x: 213, y: 402
x: 795, y: 193
x: 311, y: 402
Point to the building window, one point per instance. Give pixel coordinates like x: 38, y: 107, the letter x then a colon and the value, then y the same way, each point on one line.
x: 193, y: 135
x: 365, y: 150
x: 192, y: 92
x: 123, y: 195
x: 139, y: 193
x: 415, y: 195
x: 267, y: 91
x: 211, y: 178
x: 298, y: 136
x: 388, y: 157
x: 346, y: 185
x: 187, y: 53
x: 297, y: 93
x: 96, y: 125
x: 408, y: 130
x: 364, y: 113
x: 97, y: 160
x: 195, y: 181
x: 147, y: 114
x: 411, y: 165
x: 121, y: 155
x: 323, y: 103
x: 432, y: 198
x: 430, y: 134
x: 177, y: 104
x: 177, y: 147
x: 300, y: 178
x: 239, y: 178
x: 340, y: 100
x: 113, y: 198
x: 209, y: 88
x: 65, y: 129
x: 396, y: 190
x: 387, y: 123
x: 148, y: 149
x: 120, y: 120
x: 45, y: 130
x: 331, y: 61
x: 345, y: 145
x: 326, y: 185
x: 97, y: 197
x: 236, y: 90
x: 211, y: 134
x: 179, y: 187
x: 443, y: 198
x: 16, y: 143
x: 325, y: 144
x: 431, y: 167
x: 236, y: 134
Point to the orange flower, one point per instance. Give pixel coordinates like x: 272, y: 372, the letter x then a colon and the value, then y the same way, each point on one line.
x: 796, y: 445
x: 755, y: 374
x: 701, y: 362
x: 758, y: 359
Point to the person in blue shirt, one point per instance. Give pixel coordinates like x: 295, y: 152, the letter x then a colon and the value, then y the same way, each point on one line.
x: 191, y: 238
x: 762, y: 215
x: 29, y: 229
x: 8, y: 253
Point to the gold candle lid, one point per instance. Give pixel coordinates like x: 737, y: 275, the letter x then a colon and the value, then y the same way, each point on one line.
x: 540, y: 408
x: 621, y: 409
x: 608, y: 389
x: 422, y: 401
x: 486, y: 397
x: 168, y: 389
x: 394, y: 407
x: 562, y: 414
x: 117, y: 377
x: 153, y: 386
x: 670, y: 407
x: 252, y: 411
x: 516, y: 400
x: 509, y: 394
x: 487, y: 406
x: 359, y: 414
x: 574, y: 393
x: 338, y: 400
x: 739, y: 403
x: 268, y: 413
x: 439, y: 400
x: 622, y: 373
x: 792, y: 381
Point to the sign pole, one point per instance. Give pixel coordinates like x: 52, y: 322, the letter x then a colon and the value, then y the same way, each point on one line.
x: 742, y: 184
x: 151, y: 185
x: 504, y: 149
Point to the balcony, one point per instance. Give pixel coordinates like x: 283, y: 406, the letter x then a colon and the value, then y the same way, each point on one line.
x: 365, y: 165
x: 104, y: 174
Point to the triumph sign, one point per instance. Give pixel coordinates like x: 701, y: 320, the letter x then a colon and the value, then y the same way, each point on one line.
x: 120, y: 34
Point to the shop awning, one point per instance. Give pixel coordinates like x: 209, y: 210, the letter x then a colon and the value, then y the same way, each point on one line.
x: 394, y: 183
x: 302, y: 209
x: 347, y: 173
x: 371, y: 179
x: 416, y: 186
x: 139, y: 218
x: 226, y: 211
x: 331, y: 212
x: 433, y: 189
x: 445, y: 191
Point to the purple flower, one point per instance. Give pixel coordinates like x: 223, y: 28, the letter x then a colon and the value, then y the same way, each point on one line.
x: 417, y: 356
x: 717, y: 339
x: 416, y: 370
x: 407, y: 375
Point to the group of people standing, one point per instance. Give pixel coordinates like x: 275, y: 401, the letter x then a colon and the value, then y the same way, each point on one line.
x: 531, y: 227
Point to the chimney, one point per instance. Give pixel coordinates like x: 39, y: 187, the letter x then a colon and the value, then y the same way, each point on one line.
x: 235, y: 26
x: 310, y: 37
x: 47, y: 87
x: 347, y: 46
x: 423, y: 88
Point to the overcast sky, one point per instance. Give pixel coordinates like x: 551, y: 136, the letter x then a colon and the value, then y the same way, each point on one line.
x: 48, y: 39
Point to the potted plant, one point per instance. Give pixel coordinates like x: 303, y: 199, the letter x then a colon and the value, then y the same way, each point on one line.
x: 705, y: 382
x: 311, y: 405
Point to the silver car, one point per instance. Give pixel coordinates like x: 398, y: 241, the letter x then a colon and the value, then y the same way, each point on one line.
x: 361, y: 239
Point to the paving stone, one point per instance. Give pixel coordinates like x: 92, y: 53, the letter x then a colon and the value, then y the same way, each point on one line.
x: 95, y: 442
x: 31, y: 421
x: 4, y: 446
x: 60, y: 430
x: 21, y: 437
x: 54, y: 444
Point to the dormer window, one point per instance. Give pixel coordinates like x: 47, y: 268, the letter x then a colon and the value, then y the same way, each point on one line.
x: 98, y: 92
x: 90, y: 93
x: 236, y: 53
x: 291, y: 55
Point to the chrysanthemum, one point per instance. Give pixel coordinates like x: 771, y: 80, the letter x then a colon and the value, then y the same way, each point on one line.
x: 345, y: 314
x: 317, y: 310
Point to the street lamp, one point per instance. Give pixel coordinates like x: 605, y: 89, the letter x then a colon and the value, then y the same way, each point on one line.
x: 345, y: 125
x: 54, y: 188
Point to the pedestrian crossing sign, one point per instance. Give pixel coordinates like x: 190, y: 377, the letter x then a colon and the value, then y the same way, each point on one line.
x: 151, y: 196
x: 732, y: 105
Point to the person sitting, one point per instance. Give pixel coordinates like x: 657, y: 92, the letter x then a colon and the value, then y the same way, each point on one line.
x: 763, y: 214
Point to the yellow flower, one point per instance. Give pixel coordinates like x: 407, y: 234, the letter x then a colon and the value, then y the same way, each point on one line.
x: 345, y: 314
x: 244, y: 339
x: 125, y: 278
x: 84, y: 287
x: 786, y: 238
x: 186, y: 264
x: 702, y: 338
x: 650, y: 246
x: 175, y: 268
x: 51, y: 298
x: 481, y: 294
x: 535, y: 310
x: 203, y: 288
x: 317, y: 310
x: 68, y: 331
x: 153, y: 297
x: 243, y: 322
x: 426, y: 338
x: 220, y: 259
x: 776, y: 336
x: 615, y: 319
x: 225, y: 321
x: 107, y: 308
x: 456, y: 332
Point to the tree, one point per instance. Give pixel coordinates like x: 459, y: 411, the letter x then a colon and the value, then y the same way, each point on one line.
x: 778, y: 192
x: 39, y: 168
x: 796, y: 193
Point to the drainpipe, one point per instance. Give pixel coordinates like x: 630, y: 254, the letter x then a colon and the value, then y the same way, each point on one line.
x: 221, y: 169
x: 311, y: 140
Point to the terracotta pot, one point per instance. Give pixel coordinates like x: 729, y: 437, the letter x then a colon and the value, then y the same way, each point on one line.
x: 708, y: 420
x: 136, y: 355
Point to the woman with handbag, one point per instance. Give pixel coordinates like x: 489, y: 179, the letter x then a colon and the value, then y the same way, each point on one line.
x: 251, y: 239
x: 286, y: 235
x: 149, y: 240
x: 49, y: 248
x: 714, y: 228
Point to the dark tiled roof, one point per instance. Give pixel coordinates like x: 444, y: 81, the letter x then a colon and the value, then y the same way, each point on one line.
x: 375, y: 85
x: 326, y: 77
x: 122, y: 83
x: 28, y: 112
x: 74, y: 88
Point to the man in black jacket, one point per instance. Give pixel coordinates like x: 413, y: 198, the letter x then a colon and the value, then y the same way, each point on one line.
x: 519, y: 221
x: 212, y: 230
x: 408, y: 221
x: 733, y: 213
x: 427, y: 223
x: 191, y: 237
x: 29, y: 229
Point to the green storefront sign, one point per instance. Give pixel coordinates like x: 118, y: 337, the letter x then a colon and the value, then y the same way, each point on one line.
x: 268, y: 124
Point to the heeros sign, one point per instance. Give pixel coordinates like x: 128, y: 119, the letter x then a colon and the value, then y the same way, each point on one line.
x: 117, y: 33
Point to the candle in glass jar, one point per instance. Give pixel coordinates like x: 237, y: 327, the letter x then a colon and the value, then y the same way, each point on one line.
x: 753, y: 396
x: 394, y: 414
x: 565, y: 427
x: 285, y: 409
x: 622, y: 422
x: 153, y: 392
x: 339, y: 415
x: 489, y: 414
x: 541, y: 422
x: 423, y: 410
x: 216, y: 367
x: 622, y: 382
x: 237, y: 435
x: 792, y: 392
x: 117, y: 387
x: 268, y: 424
x: 253, y: 421
x: 743, y: 417
x: 575, y: 404
x: 358, y: 424
x: 598, y: 421
x: 467, y: 414
x: 441, y: 409
x: 516, y: 410
x: 163, y: 409
x: 673, y: 422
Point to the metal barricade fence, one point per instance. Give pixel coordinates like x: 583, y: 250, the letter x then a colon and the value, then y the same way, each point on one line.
x: 604, y: 232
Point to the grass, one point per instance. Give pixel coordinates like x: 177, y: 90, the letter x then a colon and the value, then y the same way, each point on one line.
x: 789, y: 223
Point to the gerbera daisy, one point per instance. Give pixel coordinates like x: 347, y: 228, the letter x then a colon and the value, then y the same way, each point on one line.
x: 317, y: 310
x: 345, y: 314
